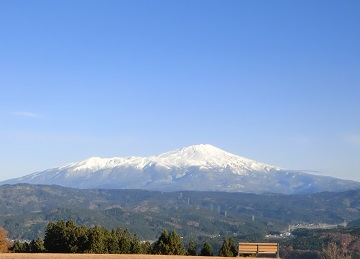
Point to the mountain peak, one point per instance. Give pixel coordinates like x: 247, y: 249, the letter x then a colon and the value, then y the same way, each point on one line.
x: 206, y: 156
x: 199, y: 167
x: 200, y: 151
x: 204, y: 149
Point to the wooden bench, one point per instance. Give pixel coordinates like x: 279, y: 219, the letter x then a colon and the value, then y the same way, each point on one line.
x: 246, y: 249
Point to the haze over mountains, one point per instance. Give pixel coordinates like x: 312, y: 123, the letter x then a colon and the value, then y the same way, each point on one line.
x: 198, y: 167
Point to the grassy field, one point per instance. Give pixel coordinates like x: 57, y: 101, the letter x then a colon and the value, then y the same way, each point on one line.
x: 101, y: 256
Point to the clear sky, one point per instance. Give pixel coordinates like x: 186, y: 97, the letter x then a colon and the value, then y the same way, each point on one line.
x: 274, y: 81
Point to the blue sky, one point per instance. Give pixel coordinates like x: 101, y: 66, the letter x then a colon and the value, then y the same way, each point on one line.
x: 274, y: 81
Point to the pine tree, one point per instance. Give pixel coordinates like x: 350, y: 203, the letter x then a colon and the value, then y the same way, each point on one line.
x: 113, y: 243
x: 17, y: 247
x: 135, y: 245
x: 37, y: 246
x: 97, y: 240
x: 169, y: 244
x: 83, y: 239
x: 71, y: 236
x: 145, y: 248
x: 225, y: 249
x: 176, y: 246
x: 206, y: 250
x: 232, y: 247
x: 65, y: 237
x: 192, y: 248
x: 161, y: 246
x: 26, y: 247
x: 54, y: 237
x: 124, y: 241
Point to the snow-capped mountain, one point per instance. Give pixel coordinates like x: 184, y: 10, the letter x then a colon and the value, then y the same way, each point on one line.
x: 198, y: 167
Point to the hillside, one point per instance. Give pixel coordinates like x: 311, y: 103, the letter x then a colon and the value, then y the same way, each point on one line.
x: 26, y: 209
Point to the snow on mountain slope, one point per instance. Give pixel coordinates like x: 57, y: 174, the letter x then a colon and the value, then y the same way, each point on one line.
x: 205, y: 157
x: 208, y: 157
x: 198, y: 167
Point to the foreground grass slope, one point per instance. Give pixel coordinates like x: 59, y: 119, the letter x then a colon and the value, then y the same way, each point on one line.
x: 101, y: 256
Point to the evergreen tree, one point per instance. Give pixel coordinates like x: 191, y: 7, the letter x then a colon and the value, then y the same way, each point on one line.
x: 82, y: 239
x: 135, y: 245
x: 232, y: 246
x: 71, y: 236
x: 161, y: 246
x: 206, y: 250
x: 18, y: 247
x: 26, y: 247
x: 125, y: 242
x: 54, y: 237
x: 176, y: 246
x: 37, y: 246
x: 65, y: 237
x: 169, y: 244
x: 192, y: 248
x: 225, y: 249
x: 113, y: 243
x: 97, y: 240
x: 145, y: 248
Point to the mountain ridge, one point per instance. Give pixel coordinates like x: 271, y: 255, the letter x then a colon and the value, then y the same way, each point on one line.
x: 194, y: 155
x: 199, y: 167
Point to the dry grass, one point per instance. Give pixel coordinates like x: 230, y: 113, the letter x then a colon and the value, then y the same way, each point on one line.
x: 91, y: 256
x: 101, y: 256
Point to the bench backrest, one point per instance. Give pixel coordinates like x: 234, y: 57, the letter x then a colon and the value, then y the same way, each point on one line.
x: 259, y: 248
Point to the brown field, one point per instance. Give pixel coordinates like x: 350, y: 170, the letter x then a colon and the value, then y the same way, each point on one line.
x: 101, y: 256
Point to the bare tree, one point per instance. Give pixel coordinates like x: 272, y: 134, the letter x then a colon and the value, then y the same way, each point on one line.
x: 333, y: 251
x: 4, y: 243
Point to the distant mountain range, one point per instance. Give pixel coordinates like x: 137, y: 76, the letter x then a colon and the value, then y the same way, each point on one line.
x: 199, y: 168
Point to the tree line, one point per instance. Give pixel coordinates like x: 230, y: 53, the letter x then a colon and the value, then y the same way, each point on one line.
x: 67, y: 237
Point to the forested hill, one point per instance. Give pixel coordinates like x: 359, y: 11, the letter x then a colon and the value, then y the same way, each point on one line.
x: 26, y: 209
